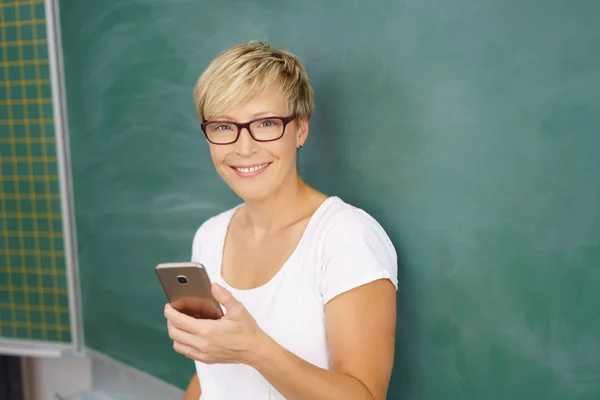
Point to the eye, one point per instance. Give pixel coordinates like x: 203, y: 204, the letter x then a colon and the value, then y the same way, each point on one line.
x: 222, y: 127
x: 267, y: 123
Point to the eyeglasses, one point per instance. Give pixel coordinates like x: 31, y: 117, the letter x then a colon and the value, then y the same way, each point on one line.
x: 262, y: 130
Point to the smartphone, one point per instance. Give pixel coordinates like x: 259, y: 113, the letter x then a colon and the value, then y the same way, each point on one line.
x: 187, y: 287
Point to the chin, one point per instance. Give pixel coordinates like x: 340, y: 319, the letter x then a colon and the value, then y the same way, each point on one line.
x: 251, y: 190
x: 248, y: 190
x: 252, y: 195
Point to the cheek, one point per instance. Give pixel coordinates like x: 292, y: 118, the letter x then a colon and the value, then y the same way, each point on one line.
x: 217, y: 154
x: 284, y: 149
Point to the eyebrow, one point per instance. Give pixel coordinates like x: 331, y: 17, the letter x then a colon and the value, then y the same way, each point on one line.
x: 253, y: 116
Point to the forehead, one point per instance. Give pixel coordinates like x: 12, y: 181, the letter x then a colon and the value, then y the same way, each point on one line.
x: 268, y: 102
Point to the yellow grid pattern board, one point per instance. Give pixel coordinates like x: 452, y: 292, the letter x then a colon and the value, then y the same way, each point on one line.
x: 33, y: 283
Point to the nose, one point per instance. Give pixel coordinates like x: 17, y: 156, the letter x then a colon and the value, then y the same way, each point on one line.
x: 245, y: 145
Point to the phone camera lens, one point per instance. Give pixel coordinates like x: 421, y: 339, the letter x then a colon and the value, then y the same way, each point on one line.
x: 182, y: 279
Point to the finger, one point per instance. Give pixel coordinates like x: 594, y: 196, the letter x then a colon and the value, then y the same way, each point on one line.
x: 184, y: 349
x: 183, y: 337
x: 192, y: 353
x: 224, y: 297
x: 198, y: 327
x: 170, y: 312
x: 181, y: 320
x: 191, y: 346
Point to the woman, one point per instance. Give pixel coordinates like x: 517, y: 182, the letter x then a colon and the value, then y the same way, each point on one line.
x: 308, y: 282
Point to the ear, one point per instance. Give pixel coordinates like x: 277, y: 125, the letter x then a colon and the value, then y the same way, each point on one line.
x: 301, y: 132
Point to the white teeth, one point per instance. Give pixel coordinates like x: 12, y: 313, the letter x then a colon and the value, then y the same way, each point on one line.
x: 251, y: 169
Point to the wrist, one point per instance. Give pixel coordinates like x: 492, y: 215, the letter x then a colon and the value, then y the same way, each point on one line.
x: 262, y: 350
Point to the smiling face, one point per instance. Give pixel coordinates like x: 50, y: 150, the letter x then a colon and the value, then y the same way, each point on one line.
x: 244, y: 83
x: 256, y: 170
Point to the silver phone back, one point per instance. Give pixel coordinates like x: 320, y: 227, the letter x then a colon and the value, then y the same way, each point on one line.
x: 187, y: 287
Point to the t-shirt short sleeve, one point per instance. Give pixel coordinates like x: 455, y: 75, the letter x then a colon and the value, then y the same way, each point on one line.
x: 208, y: 235
x: 196, y: 244
x: 200, y: 238
x: 356, y: 251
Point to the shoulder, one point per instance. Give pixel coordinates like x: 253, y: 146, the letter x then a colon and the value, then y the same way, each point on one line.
x: 355, y: 249
x: 345, y: 223
x: 213, y: 227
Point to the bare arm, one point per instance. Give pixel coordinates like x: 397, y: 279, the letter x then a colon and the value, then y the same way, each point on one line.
x: 193, y: 389
x: 361, y: 332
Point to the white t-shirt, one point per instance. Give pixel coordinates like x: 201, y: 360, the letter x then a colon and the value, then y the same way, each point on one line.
x: 342, y: 248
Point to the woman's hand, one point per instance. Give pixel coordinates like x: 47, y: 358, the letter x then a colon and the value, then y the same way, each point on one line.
x: 232, y: 339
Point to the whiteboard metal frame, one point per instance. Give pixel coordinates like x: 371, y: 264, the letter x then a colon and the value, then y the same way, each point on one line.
x: 61, y: 131
x: 34, y: 348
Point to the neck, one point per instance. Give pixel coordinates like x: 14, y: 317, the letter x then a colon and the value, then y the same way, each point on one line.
x: 280, y: 209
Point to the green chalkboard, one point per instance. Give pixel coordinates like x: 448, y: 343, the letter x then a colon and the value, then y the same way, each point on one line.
x: 470, y: 129
x: 34, y: 298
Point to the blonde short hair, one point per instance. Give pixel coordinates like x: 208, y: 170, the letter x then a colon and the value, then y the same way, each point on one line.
x: 244, y: 71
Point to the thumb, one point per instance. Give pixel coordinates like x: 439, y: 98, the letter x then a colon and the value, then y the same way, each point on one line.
x: 224, y: 297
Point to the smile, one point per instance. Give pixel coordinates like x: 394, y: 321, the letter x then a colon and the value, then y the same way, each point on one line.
x: 250, y: 170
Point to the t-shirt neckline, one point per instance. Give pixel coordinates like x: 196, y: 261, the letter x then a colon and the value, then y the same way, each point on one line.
x: 223, y: 235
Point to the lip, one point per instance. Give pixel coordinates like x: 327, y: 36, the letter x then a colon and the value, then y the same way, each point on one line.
x: 258, y: 171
